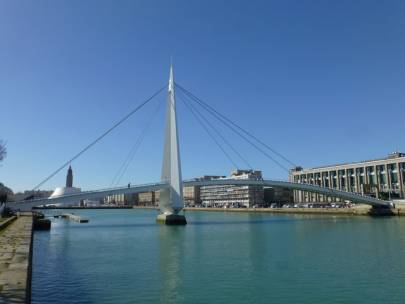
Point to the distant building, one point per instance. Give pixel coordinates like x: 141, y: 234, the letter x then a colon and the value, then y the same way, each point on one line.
x: 69, y: 178
x: 69, y: 189
x: 116, y: 199
x: 149, y: 198
x: 90, y: 203
x: 278, y: 196
x: 130, y: 199
x: 382, y: 178
x: 233, y: 195
x: 191, y: 195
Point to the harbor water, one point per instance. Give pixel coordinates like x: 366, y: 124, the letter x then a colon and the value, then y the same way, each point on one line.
x: 123, y: 256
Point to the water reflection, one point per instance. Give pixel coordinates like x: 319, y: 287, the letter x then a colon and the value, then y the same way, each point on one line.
x: 171, y: 255
x: 124, y: 257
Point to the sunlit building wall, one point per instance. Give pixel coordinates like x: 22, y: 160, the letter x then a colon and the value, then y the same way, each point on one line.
x: 381, y: 178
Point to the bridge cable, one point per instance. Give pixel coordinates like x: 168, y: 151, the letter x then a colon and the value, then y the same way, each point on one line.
x: 120, y: 173
x: 208, y: 132
x: 198, y: 100
x: 217, y: 132
x: 217, y: 115
x: 101, y: 136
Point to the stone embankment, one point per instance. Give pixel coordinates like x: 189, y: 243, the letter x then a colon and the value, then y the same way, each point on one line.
x: 15, y: 260
x: 357, y: 210
x: 343, y: 211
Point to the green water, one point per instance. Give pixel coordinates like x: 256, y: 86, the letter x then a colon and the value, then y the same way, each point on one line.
x: 122, y: 256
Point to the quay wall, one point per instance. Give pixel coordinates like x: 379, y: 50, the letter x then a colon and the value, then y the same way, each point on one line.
x: 361, y: 210
x: 16, y: 259
x: 357, y: 210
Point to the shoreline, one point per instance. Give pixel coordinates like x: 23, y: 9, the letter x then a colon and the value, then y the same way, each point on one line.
x: 16, y: 241
x: 361, y: 210
x: 320, y: 211
x: 23, y: 293
x: 357, y: 211
x: 80, y: 207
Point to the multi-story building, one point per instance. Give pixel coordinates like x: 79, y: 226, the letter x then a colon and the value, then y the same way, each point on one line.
x: 191, y: 195
x: 277, y: 195
x: 233, y: 195
x: 122, y: 199
x: 149, y: 198
x: 116, y: 199
x: 382, y: 178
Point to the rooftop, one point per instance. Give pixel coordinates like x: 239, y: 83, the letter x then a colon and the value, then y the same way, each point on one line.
x: 392, y: 155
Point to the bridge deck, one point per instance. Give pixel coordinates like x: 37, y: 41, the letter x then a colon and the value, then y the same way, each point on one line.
x: 71, y: 198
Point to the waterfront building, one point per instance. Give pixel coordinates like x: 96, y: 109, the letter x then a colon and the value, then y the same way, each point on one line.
x: 131, y: 199
x: 191, y: 195
x: 69, y: 189
x: 90, y: 203
x: 382, y: 178
x: 233, y: 195
x: 122, y: 199
x: 149, y: 198
x: 116, y: 199
x: 277, y: 195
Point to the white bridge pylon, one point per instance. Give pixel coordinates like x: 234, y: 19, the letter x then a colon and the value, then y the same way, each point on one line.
x: 171, y: 198
x: 171, y: 185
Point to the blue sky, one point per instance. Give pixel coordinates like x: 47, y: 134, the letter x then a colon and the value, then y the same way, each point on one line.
x: 320, y: 81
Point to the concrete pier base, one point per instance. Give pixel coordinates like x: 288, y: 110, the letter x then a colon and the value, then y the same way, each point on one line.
x: 171, y: 219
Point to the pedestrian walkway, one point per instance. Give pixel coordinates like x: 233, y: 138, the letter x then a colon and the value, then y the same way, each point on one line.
x: 15, y: 241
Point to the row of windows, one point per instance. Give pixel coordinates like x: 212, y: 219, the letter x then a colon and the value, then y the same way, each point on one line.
x: 391, y: 168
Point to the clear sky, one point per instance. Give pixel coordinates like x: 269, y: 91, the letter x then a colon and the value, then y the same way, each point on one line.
x: 321, y: 81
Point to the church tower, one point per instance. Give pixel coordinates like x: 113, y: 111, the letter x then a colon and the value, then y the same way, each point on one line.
x: 69, y: 178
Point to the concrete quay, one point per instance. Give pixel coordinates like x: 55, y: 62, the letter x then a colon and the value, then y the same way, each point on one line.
x: 15, y: 261
x: 363, y: 210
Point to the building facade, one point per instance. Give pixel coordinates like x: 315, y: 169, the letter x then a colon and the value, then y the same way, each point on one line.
x: 69, y: 178
x: 150, y: 199
x: 122, y: 199
x: 233, y: 195
x: 381, y: 178
x: 191, y: 196
x: 278, y: 195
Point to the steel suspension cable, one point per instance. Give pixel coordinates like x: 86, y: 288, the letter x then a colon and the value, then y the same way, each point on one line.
x: 100, y: 137
x: 236, y: 125
x: 120, y: 173
x: 208, y: 132
x: 217, y: 132
x: 218, y: 116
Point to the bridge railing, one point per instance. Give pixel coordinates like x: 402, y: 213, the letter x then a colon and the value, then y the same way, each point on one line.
x: 124, y: 187
x: 81, y: 193
x: 352, y: 192
x: 351, y: 196
x: 346, y: 195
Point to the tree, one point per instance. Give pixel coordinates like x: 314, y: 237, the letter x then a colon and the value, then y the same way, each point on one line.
x: 5, y: 193
x: 3, y: 150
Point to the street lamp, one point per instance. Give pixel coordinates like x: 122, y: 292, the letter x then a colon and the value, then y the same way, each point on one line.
x: 390, y: 182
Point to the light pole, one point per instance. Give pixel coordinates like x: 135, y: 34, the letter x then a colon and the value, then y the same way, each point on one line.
x: 390, y: 183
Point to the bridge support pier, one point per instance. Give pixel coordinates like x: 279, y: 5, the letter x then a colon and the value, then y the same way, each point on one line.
x: 171, y: 219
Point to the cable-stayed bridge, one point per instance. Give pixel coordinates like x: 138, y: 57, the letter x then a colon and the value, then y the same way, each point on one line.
x: 96, y: 194
x: 171, y: 184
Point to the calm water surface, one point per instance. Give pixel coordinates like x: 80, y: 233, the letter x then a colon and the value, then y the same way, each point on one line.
x: 122, y: 256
